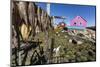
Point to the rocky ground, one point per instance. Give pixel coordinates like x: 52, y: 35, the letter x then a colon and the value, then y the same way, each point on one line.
x: 76, y: 46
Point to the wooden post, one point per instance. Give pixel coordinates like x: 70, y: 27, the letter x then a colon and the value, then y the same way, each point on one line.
x: 51, y: 50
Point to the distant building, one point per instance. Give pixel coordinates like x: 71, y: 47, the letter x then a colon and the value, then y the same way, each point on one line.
x: 78, y: 21
x: 62, y: 24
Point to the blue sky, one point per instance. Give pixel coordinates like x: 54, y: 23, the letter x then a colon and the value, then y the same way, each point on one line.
x: 71, y: 11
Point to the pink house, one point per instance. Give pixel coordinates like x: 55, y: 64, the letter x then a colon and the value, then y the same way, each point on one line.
x: 78, y: 21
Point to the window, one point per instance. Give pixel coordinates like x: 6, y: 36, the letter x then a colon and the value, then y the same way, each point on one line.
x: 80, y: 23
x: 74, y: 23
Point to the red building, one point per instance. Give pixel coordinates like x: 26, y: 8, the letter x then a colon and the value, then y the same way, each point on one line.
x: 62, y: 24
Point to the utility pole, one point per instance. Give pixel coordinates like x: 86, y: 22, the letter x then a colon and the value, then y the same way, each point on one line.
x: 48, y: 8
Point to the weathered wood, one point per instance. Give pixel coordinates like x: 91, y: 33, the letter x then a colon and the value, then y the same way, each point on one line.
x: 32, y: 15
x: 34, y: 19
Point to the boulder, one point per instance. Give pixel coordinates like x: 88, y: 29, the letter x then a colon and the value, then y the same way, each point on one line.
x: 70, y: 40
x: 74, y: 41
x: 65, y: 36
x: 79, y: 42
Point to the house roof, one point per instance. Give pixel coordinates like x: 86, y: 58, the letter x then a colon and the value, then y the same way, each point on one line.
x: 79, y: 17
x: 78, y: 21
